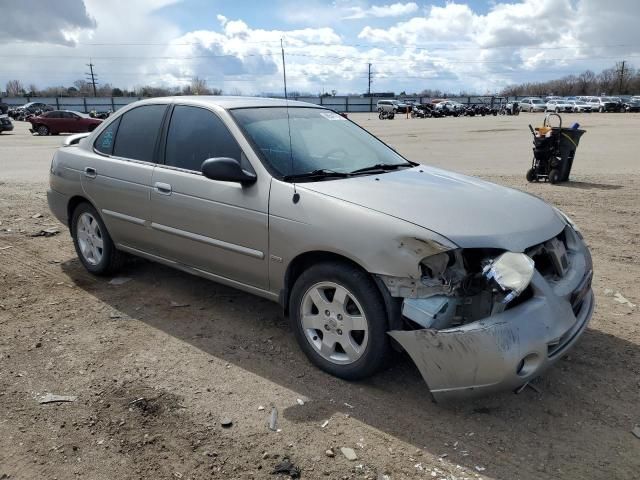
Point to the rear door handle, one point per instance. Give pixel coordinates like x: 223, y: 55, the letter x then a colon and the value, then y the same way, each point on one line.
x: 90, y: 172
x: 162, y: 188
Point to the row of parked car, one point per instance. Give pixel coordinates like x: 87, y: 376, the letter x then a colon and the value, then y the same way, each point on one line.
x: 580, y: 104
x: 45, y: 120
x: 443, y: 108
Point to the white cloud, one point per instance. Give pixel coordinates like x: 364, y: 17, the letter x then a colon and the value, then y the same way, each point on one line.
x: 30, y: 20
x: 382, y: 11
x: 450, y: 47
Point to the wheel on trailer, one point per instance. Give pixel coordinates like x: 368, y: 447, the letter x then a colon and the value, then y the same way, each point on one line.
x: 554, y: 176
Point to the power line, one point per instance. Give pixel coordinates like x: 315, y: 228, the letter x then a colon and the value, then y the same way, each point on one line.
x: 357, y: 45
x: 305, y: 55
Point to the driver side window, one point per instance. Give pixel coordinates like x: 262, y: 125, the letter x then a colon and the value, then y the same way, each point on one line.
x: 195, y: 135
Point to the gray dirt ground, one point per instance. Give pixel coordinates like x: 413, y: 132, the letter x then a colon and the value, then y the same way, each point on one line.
x: 223, y: 353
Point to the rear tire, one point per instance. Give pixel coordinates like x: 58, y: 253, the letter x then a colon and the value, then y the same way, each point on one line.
x: 531, y: 175
x: 93, y: 244
x: 314, y: 295
x: 554, y: 176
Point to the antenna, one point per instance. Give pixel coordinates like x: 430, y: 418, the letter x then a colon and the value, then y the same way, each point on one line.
x: 284, y: 72
x: 296, y: 196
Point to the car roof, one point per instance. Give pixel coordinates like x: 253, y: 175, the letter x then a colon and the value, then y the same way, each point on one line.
x: 229, y: 102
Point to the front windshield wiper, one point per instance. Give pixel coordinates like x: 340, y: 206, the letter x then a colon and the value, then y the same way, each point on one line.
x: 384, y: 167
x: 320, y: 173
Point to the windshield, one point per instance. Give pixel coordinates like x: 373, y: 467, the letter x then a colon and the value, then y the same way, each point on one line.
x: 320, y: 140
x: 536, y: 100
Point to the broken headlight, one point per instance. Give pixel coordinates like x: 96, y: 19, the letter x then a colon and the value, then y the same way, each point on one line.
x: 512, y: 272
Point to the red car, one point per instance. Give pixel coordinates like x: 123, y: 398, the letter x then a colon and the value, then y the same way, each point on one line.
x: 62, y: 121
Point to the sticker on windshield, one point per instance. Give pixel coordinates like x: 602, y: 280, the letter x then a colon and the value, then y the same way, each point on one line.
x: 332, y: 116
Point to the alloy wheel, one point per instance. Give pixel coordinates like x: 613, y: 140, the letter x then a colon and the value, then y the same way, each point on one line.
x: 90, y: 239
x: 334, y: 323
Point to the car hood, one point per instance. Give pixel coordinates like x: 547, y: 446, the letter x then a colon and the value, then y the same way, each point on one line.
x: 470, y: 212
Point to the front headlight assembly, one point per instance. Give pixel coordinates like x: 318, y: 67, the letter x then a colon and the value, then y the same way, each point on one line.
x: 512, y: 272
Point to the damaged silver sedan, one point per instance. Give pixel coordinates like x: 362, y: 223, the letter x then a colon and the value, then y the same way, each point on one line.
x: 483, y: 286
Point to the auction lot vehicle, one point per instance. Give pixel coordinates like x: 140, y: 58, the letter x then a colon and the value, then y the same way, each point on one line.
x: 580, y: 106
x: 28, y: 109
x: 394, y: 105
x: 5, y: 124
x: 559, y: 106
x: 62, y: 121
x: 449, y: 107
x: 532, y: 105
x: 632, y: 105
x: 484, y: 286
x: 606, y: 104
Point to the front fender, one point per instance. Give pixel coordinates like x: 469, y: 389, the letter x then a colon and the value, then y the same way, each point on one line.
x: 379, y: 243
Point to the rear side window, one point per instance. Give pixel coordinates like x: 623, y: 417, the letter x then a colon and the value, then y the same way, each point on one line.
x: 138, y: 132
x: 195, y: 135
x: 104, y: 142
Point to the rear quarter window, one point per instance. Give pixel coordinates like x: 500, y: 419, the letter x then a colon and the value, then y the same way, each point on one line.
x: 104, y: 142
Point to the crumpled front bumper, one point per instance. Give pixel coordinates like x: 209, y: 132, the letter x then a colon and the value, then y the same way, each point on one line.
x: 509, y: 349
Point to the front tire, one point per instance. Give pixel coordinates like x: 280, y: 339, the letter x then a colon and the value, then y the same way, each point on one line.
x: 42, y: 130
x: 93, y: 244
x: 531, y: 175
x: 339, y: 319
x: 554, y: 176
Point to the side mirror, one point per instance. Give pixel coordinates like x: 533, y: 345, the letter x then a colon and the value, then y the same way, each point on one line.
x: 226, y: 170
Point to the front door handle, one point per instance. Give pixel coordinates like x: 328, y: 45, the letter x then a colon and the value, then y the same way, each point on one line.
x: 90, y: 172
x: 162, y: 188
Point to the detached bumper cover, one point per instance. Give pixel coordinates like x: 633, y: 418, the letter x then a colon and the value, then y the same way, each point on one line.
x: 506, y: 350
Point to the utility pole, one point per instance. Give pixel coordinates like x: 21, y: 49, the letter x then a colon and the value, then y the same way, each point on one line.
x: 92, y: 77
x: 369, y: 87
x: 621, y: 78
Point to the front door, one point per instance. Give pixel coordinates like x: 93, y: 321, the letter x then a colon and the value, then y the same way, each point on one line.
x: 218, y: 227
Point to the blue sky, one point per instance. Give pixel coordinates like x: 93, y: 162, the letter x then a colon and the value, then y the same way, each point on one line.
x: 199, y: 14
x: 473, y: 46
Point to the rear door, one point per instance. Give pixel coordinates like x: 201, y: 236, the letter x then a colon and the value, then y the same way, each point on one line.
x: 218, y: 227
x: 54, y: 121
x: 117, y: 177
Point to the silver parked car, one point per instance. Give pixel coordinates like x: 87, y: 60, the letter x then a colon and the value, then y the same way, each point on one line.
x: 558, y: 106
x: 580, y: 106
x: 484, y: 287
x: 532, y: 104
